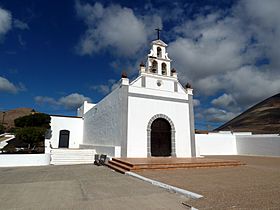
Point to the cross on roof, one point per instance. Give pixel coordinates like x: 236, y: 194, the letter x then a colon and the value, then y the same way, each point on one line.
x: 158, y: 31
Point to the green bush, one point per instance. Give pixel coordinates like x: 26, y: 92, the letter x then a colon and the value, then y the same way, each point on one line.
x: 31, y: 135
x: 33, y: 120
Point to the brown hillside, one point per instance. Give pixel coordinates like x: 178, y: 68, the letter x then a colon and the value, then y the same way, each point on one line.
x: 263, y: 117
x: 11, y: 115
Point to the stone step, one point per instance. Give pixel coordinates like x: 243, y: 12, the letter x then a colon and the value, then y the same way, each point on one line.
x: 72, y: 156
x: 119, y: 164
x: 116, y: 168
x: 122, y: 162
x: 136, y: 164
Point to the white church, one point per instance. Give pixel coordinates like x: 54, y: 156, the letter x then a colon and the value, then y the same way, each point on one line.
x: 149, y: 116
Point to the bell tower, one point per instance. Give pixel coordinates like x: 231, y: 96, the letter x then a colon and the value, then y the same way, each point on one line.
x: 158, y: 61
x: 157, y: 74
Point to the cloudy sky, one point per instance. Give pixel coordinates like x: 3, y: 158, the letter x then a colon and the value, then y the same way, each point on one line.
x: 56, y: 54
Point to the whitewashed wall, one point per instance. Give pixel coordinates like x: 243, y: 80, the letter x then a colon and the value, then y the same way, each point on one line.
x: 215, y: 144
x: 141, y: 110
x: 13, y: 160
x: 84, y: 108
x: 105, y: 125
x: 267, y: 145
x: 166, y: 89
x: 237, y: 144
x: 73, y: 124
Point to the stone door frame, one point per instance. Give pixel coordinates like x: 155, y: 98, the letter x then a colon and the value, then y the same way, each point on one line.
x: 149, y: 129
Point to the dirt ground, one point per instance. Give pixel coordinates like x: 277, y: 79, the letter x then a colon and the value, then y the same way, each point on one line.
x: 253, y: 186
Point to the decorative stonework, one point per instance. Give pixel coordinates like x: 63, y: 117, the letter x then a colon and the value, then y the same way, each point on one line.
x: 173, y: 150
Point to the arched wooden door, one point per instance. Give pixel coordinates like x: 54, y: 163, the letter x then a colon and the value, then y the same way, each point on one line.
x: 64, y: 139
x: 160, y: 138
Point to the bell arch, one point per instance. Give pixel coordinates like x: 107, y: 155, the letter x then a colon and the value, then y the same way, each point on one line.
x: 154, y: 68
x: 149, y: 129
x: 163, y: 69
x: 159, y: 52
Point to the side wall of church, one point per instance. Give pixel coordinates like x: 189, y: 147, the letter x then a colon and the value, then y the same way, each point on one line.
x: 176, y: 110
x: 105, y: 124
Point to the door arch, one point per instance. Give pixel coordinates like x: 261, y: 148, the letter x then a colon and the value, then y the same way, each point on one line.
x: 160, y: 136
x: 64, y: 139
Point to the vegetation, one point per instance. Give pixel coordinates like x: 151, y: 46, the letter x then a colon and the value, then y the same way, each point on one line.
x: 30, y: 134
x: 33, y: 120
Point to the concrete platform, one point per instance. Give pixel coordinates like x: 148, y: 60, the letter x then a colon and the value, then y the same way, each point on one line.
x: 156, y: 163
x: 86, y: 187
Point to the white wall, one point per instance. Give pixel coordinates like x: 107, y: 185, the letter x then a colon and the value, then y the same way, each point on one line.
x: 5, y: 142
x: 225, y: 143
x: 267, y: 145
x: 167, y: 86
x: 215, y: 144
x: 73, y: 124
x: 13, y: 160
x: 84, y: 108
x: 141, y: 110
x: 104, y: 124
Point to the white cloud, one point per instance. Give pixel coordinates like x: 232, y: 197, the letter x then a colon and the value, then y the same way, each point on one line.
x: 70, y: 102
x: 73, y: 100
x: 105, y: 88
x: 218, y: 115
x: 114, y: 29
x: 20, y: 24
x: 218, y: 52
x: 9, y: 87
x: 224, y: 100
x: 5, y: 21
x: 45, y: 100
x: 196, y: 102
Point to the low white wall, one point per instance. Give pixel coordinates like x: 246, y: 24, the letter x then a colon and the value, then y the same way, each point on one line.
x: 265, y: 145
x: 237, y: 144
x: 215, y: 144
x: 13, y: 160
x: 111, y: 151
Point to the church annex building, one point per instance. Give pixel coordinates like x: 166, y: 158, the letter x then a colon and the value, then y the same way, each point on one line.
x: 150, y: 116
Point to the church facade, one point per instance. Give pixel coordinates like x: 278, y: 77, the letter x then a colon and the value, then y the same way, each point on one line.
x: 149, y: 116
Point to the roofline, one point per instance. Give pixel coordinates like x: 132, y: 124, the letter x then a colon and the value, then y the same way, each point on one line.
x: 56, y: 115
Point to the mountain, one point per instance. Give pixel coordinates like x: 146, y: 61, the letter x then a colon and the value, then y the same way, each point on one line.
x: 263, y: 117
x: 10, y: 115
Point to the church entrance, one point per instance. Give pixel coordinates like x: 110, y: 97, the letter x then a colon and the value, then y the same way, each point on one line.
x: 160, y: 138
x: 63, y: 139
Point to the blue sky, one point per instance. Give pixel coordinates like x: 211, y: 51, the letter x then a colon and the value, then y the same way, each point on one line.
x: 55, y: 54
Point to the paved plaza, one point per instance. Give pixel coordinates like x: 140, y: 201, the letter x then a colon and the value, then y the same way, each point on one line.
x: 80, y: 187
x: 253, y: 186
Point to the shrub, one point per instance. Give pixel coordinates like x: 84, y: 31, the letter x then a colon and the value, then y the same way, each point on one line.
x: 31, y: 135
x: 33, y: 120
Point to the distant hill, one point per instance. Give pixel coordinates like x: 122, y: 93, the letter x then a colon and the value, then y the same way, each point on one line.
x: 263, y: 117
x: 11, y: 115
